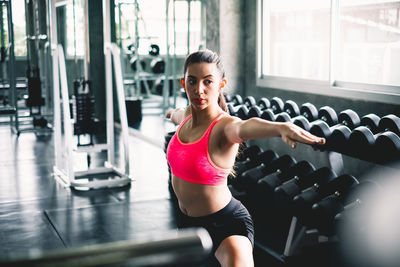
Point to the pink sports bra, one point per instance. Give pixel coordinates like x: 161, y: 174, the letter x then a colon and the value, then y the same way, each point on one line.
x: 191, y: 161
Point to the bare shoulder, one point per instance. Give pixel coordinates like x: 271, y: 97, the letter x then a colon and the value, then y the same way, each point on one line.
x: 229, y: 126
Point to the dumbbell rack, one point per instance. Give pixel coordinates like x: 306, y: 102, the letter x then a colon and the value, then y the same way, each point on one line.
x: 298, y: 235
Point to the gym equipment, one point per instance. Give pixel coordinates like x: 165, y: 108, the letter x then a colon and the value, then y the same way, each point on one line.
x: 257, y: 179
x: 154, y: 50
x: 276, y: 104
x: 309, y: 111
x: 134, y: 62
x: 240, y: 110
x: 109, y: 175
x: 352, y: 217
x: 328, y: 115
x: 248, y: 153
x: 268, y: 115
x: 324, y: 211
x: 284, y: 193
x: 186, y: 247
x: 237, y: 100
x: 371, y: 121
x: 264, y: 157
x: 389, y: 123
x: 302, y: 202
x: 364, y: 144
x: 283, y: 117
x: 308, y: 114
x: 263, y: 103
x: 302, y: 122
x: 291, y: 108
x: 157, y: 65
x: 297, y: 171
x: 249, y: 101
x: 338, y: 135
x: 254, y: 112
x: 387, y: 148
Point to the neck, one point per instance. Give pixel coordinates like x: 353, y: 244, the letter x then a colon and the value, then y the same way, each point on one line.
x: 206, y: 115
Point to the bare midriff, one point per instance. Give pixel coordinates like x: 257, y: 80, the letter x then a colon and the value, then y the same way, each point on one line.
x: 200, y: 199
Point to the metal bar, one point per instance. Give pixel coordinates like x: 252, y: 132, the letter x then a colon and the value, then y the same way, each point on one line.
x: 121, y: 103
x: 11, y: 63
x: 109, y: 88
x: 66, y: 112
x: 185, y: 246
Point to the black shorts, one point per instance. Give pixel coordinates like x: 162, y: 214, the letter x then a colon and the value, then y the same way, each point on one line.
x: 233, y: 219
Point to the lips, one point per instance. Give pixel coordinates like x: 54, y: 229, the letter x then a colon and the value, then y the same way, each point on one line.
x: 200, y: 100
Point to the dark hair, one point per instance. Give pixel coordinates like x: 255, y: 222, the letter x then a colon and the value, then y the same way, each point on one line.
x: 208, y: 56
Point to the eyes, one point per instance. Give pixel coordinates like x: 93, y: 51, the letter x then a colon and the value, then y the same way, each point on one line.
x: 206, y: 82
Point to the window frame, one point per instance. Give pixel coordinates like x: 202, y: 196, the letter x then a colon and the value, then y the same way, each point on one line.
x: 332, y: 87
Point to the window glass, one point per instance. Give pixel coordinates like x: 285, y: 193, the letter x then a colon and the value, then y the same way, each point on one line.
x: 298, y: 39
x: 369, y: 42
x: 18, y: 13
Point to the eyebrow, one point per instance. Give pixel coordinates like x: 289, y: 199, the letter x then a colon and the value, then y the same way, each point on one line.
x: 207, y: 76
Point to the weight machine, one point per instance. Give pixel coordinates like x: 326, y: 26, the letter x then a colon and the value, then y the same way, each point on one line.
x: 66, y: 151
x: 7, y: 61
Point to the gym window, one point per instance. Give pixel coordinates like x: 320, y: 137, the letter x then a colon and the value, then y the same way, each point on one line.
x: 18, y: 13
x: 151, y: 24
x: 346, y: 48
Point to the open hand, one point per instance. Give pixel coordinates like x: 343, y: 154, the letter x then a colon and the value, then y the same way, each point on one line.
x: 291, y: 134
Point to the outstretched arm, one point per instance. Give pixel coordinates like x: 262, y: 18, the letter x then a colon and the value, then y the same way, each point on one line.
x: 177, y: 115
x: 238, y: 131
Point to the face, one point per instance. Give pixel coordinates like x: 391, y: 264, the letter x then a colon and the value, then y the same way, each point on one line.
x: 203, y: 83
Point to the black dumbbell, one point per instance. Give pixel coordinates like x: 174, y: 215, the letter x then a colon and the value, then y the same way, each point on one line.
x: 263, y: 103
x: 309, y: 111
x: 250, y: 101
x: 291, y: 108
x: 263, y: 157
x: 267, y: 184
x: 328, y: 115
x: 256, y: 110
x: 302, y: 203
x: 248, y: 153
x: 285, y: 193
x: 353, y: 217
x: 389, y: 123
x: 237, y: 100
x: 302, y: 120
x: 337, y: 136
x: 240, y: 110
x: 371, y: 121
x: 276, y: 105
x: 251, y: 177
x: 387, y: 148
x: 324, y: 211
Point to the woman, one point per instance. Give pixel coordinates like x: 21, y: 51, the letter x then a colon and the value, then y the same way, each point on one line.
x: 202, y: 152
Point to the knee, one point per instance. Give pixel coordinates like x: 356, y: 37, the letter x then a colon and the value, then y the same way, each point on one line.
x: 235, y: 252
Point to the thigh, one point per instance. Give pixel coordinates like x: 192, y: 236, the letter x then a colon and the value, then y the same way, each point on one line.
x: 235, y: 250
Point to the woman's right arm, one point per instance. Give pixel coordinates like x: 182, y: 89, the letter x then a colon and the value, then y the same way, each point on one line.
x: 178, y: 115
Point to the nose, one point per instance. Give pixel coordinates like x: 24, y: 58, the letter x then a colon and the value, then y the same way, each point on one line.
x: 199, y: 88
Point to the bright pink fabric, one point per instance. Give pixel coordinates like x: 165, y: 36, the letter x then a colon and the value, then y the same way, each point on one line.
x: 191, y: 161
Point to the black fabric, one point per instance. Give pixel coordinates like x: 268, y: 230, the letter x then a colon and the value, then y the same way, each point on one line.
x: 233, y: 219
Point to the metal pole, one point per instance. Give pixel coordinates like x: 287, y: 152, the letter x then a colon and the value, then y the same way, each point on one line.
x: 87, y: 46
x: 56, y: 84
x: 11, y: 64
x: 109, y: 88
x: 188, y: 28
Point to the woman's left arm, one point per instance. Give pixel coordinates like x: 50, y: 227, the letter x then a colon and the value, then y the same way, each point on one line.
x: 238, y: 131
